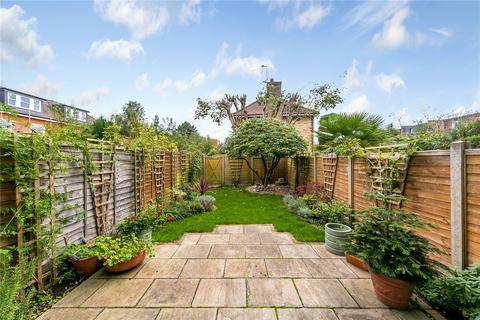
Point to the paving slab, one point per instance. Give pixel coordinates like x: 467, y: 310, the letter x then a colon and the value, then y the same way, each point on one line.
x: 287, y: 268
x: 162, y: 268
x: 187, y: 314
x: 104, y: 274
x: 323, y: 253
x: 245, y: 268
x: 211, y: 238
x: 323, y: 293
x: 190, y: 238
x: 128, y: 314
x: 244, y: 238
x: 203, y: 268
x: 170, y: 293
x: 410, y: 315
x: 164, y: 251
x: 118, y: 293
x: 306, y: 314
x: 272, y: 292
x: 81, y: 293
x: 258, y: 228
x: 227, y: 251
x: 366, y: 314
x: 360, y: 273
x: 362, y: 291
x: 329, y: 268
x: 246, y: 314
x: 276, y: 238
x: 297, y: 251
x: 229, y: 228
x: 70, y: 313
x: 221, y: 293
x: 192, y: 251
x: 263, y: 251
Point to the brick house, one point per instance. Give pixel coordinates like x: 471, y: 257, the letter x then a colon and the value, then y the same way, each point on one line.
x: 33, y: 112
x: 450, y: 123
x: 304, y: 124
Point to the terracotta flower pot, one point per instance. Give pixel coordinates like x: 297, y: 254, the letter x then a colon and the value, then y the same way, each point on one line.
x: 128, y: 265
x: 357, y: 262
x: 87, y: 266
x: 394, y: 293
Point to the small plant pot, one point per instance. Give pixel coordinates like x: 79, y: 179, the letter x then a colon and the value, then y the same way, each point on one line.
x: 394, y: 293
x: 128, y: 265
x: 357, y: 262
x: 87, y: 266
x: 146, y: 235
x: 336, y: 238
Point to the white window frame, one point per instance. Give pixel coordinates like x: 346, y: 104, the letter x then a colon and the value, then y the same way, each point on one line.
x: 11, y: 94
x: 82, y: 116
x: 21, y: 101
x: 39, y: 105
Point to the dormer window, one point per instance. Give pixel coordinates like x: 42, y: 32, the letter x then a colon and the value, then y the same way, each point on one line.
x: 37, y: 105
x: 12, y: 99
x: 24, y: 102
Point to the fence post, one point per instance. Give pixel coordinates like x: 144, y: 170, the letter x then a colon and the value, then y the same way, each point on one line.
x: 350, y: 177
x: 252, y: 173
x: 458, y: 203
x: 315, y: 169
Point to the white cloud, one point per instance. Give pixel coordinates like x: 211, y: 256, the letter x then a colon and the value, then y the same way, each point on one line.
x: 141, y: 82
x: 387, y: 82
x: 443, y: 31
x: 18, y: 37
x: 394, y: 33
x: 352, y: 76
x: 92, y: 97
x: 142, y: 18
x: 190, y: 12
x: 118, y: 49
x: 217, y: 94
x: 369, y: 14
x: 41, y: 86
x: 357, y: 104
x: 402, y: 116
x: 197, y: 79
x: 304, y: 19
x: 250, y: 66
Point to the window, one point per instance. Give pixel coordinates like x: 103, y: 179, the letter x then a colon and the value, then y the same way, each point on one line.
x: 83, y: 116
x: 24, y: 102
x: 37, y: 105
x: 12, y: 99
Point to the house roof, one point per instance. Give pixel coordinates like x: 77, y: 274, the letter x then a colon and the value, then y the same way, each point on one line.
x: 255, y: 109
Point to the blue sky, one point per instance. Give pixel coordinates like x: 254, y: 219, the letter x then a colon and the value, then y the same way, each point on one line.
x: 402, y: 59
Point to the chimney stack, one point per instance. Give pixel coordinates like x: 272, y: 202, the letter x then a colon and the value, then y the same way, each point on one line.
x: 274, y: 87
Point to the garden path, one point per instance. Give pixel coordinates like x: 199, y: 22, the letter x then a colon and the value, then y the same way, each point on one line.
x: 236, y: 272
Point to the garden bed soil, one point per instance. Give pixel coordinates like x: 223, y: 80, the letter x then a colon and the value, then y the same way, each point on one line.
x: 270, y: 189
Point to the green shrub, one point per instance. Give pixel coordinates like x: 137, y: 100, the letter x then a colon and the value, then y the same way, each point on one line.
x: 305, y: 213
x: 145, y: 220
x: 12, y: 280
x: 385, y: 240
x: 287, y: 198
x: 333, y: 211
x: 309, y: 200
x: 293, y: 205
x: 208, y: 202
x: 195, y: 207
x: 118, y: 250
x: 456, y: 294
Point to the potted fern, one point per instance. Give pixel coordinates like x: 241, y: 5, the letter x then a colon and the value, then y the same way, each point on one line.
x: 397, y: 257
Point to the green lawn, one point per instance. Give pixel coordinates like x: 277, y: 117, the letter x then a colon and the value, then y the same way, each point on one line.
x: 237, y: 206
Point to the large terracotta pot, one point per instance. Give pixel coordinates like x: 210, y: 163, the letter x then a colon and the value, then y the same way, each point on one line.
x: 130, y: 264
x: 357, y: 262
x: 87, y: 266
x: 394, y: 293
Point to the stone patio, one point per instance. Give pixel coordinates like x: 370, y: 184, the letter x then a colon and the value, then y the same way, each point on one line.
x: 237, y: 272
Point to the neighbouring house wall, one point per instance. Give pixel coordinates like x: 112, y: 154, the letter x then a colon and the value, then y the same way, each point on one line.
x: 305, y: 128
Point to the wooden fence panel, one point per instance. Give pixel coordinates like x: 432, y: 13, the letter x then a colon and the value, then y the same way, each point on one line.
x: 361, y: 184
x: 340, y: 190
x: 473, y: 207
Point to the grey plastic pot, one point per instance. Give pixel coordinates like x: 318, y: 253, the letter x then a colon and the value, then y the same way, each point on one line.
x: 336, y: 238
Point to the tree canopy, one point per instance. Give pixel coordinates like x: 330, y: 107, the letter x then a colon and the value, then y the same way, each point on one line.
x: 267, y: 138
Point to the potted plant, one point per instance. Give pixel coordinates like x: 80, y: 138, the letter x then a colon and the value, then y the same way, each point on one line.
x: 396, y: 255
x: 122, y: 253
x: 83, y: 257
x: 142, y: 224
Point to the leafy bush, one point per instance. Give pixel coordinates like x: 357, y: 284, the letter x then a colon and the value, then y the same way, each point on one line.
x: 287, y: 198
x: 456, y: 294
x: 208, y: 202
x: 305, y: 212
x: 145, y: 220
x: 195, y: 207
x: 80, y: 251
x: 385, y: 240
x: 12, y: 280
x: 293, y: 205
x: 333, y: 211
x: 118, y: 250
